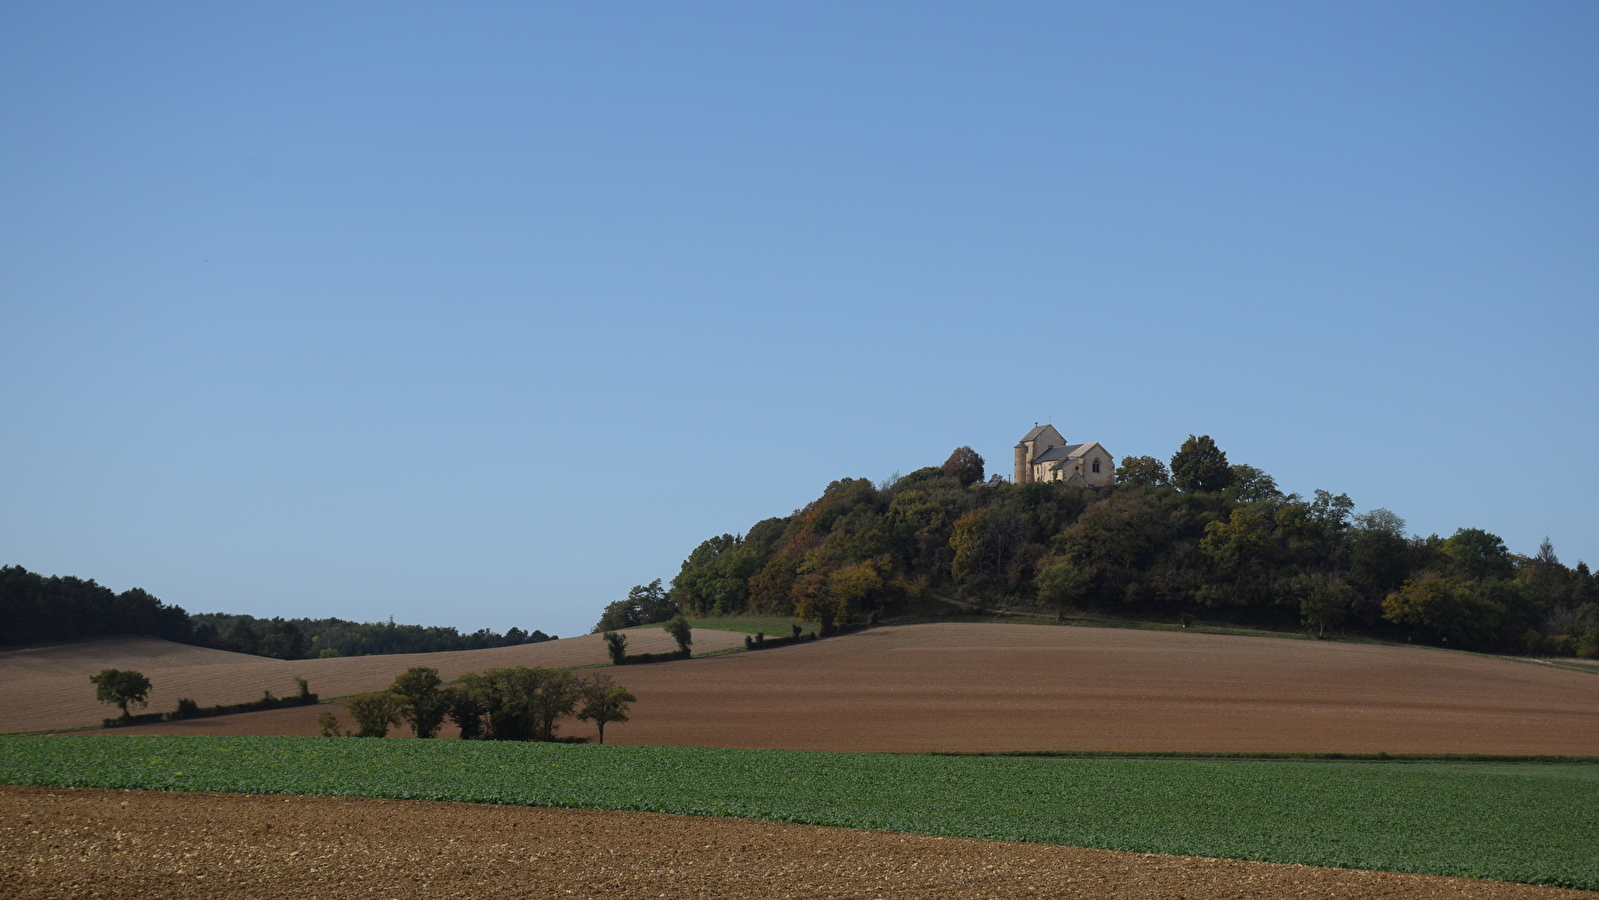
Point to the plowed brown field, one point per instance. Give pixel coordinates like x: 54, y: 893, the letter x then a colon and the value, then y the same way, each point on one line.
x: 49, y: 687
x: 989, y: 687
x: 58, y: 843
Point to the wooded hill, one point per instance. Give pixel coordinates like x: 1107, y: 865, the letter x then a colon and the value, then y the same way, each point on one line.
x: 36, y: 610
x: 1201, y: 537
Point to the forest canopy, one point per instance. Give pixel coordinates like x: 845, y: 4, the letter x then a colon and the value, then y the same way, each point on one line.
x: 36, y: 610
x: 1197, y: 535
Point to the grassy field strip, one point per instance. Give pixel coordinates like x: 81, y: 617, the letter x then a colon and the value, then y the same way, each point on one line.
x: 1530, y: 823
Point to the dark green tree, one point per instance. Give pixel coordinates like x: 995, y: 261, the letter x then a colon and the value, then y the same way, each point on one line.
x: 646, y: 604
x: 466, y: 705
x: 374, y: 712
x: 1143, y: 470
x: 1062, y: 584
x: 616, y: 646
x: 681, y: 632
x: 120, y: 687
x: 1199, y: 465
x: 421, y: 702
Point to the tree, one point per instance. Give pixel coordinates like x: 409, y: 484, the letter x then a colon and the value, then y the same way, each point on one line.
x: 1478, y: 554
x: 681, y: 632
x: 1251, y: 485
x: 1199, y: 465
x: 421, y: 702
x: 120, y: 687
x: 646, y: 604
x: 553, y: 696
x: 464, y: 701
x: 1143, y: 470
x: 964, y: 465
x: 603, y: 701
x: 1062, y: 585
x: 330, y: 725
x: 524, y: 703
x: 375, y: 712
x: 616, y: 645
x: 1326, y: 603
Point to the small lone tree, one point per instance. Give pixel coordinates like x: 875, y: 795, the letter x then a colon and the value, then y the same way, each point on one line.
x: 603, y: 701
x: 120, y: 687
x: 421, y: 702
x: 616, y: 645
x: 681, y: 632
x: 375, y: 712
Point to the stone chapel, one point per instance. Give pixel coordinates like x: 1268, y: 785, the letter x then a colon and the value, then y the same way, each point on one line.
x: 1043, y: 455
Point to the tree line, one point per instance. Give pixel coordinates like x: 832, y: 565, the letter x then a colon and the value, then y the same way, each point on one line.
x: 35, y: 609
x: 1193, y: 536
x: 519, y: 703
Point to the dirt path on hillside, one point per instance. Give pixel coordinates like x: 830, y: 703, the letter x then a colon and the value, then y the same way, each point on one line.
x: 989, y: 687
x: 64, y: 843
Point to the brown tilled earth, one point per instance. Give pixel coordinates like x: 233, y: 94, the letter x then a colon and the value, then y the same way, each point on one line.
x: 49, y: 688
x: 991, y: 687
x: 61, y: 843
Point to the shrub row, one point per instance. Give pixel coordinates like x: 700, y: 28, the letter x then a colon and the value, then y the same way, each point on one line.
x: 188, y: 709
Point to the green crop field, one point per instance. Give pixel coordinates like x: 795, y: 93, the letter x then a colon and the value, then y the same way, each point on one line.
x: 1534, y: 823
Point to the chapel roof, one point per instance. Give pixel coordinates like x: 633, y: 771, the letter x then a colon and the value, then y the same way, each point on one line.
x: 1063, y: 452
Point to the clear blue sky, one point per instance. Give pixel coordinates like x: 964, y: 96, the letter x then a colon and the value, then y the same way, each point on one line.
x: 474, y: 315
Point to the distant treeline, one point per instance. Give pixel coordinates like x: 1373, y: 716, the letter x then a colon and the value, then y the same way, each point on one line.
x: 36, y: 610
x: 1200, y: 537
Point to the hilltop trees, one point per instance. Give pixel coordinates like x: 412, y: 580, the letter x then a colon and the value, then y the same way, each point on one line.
x: 120, y: 687
x: 647, y: 604
x: 1204, y: 535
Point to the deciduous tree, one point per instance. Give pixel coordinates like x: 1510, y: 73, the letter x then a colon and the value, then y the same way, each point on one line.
x: 964, y: 465
x: 120, y: 687
x: 374, y: 713
x: 1143, y: 470
x: 616, y: 646
x: 1199, y: 465
x: 681, y: 632
x: 1062, y: 584
x: 421, y: 702
x: 603, y: 701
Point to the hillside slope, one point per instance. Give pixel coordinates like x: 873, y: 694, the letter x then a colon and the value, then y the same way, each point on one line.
x: 987, y: 687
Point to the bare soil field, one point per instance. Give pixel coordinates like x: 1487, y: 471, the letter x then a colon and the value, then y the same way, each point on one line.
x: 991, y: 687
x: 48, y: 688
x: 77, y: 843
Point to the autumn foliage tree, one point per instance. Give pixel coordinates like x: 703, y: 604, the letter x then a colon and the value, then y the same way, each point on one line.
x: 964, y: 465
